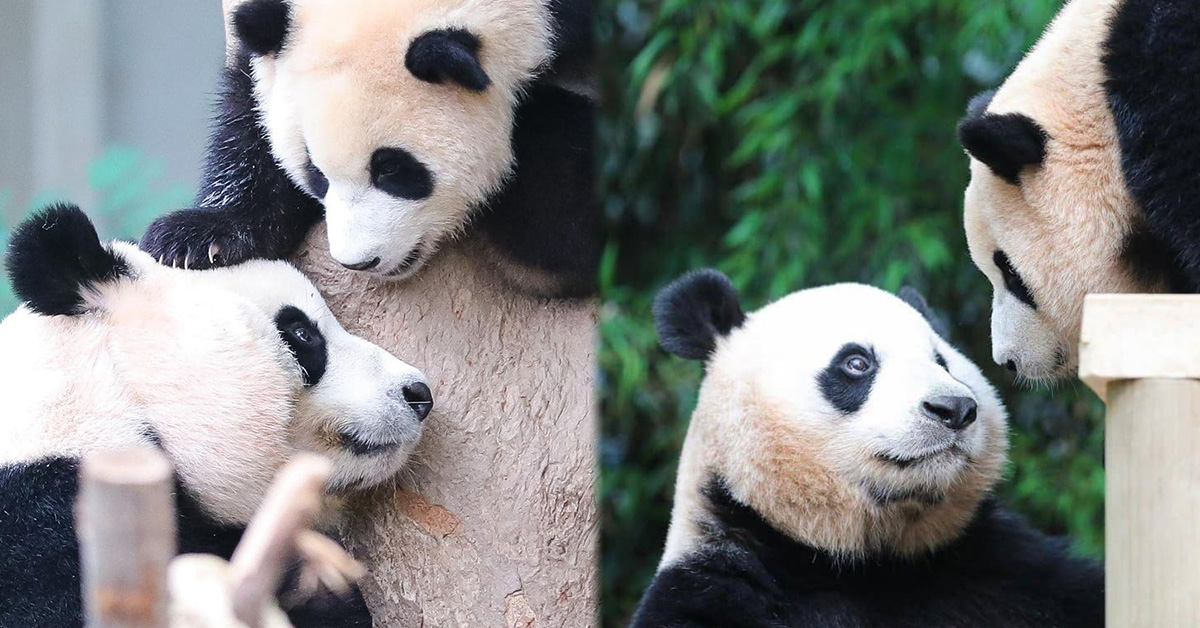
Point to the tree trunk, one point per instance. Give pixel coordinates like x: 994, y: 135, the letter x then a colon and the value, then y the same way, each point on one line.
x: 495, y: 523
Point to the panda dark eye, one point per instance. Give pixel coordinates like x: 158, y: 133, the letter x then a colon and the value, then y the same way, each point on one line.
x: 1012, y: 279
x: 303, y: 334
x: 857, y: 365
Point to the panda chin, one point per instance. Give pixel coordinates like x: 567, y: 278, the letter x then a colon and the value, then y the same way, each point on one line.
x: 413, y: 262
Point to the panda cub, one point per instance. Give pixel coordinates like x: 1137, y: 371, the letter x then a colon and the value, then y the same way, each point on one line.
x: 1083, y: 175
x: 228, y: 372
x: 400, y: 123
x: 837, y: 472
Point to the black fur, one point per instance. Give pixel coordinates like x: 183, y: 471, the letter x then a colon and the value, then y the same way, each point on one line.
x: 1005, y: 142
x: 547, y: 216
x: 39, y: 552
x: 247, y: 205
x: 916, y: 301
x: 845, y: 390
x: 1152, y: 66
x: 1153, y: 263
x: 694, y: 310
x: 448, y: 54
x: 1012, y: 279
x: 574, y: 38
x: 396, y: 172
x: 54, y: 256
x: 306, y: 342
x: 262, y: 25
x: 1000, y: 574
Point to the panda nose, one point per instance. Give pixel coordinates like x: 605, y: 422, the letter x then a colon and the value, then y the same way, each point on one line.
x: 419, y: 398
x: 367, y: 265
x: 1011, y: 365
x: 954, y: 412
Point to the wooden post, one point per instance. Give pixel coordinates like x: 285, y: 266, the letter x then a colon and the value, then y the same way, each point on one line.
x: 1141, y: 354
x: 290, y: 507
x: 126, y: 524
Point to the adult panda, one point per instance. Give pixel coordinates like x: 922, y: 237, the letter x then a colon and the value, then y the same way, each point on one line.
x: 837, y: 471
x: 401, y: 123
x: 1084, y: 176
x: 228, y: 372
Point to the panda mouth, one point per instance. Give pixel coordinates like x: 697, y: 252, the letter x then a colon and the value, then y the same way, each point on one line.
x: 905, y: 461
x: 360, y: 447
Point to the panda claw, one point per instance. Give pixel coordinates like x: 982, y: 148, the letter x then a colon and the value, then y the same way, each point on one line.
x: 214, y: 254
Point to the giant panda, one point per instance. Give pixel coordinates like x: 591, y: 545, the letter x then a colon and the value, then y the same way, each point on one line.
x: 227, y: 371
x: 837, y: 472
x: 401, y: 123
x: 1083, y: 174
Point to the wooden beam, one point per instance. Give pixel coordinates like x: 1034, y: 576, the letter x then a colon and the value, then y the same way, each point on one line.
x: 1142, y: 354
x: 126, y: 525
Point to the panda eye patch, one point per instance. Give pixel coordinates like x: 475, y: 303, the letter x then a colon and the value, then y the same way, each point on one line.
x: 847, y: 381
x: 305, y: 342
x: 396, y: 172
x: 1012, y: 279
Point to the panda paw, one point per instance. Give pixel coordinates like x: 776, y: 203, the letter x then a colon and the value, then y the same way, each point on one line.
x: 198, y: 239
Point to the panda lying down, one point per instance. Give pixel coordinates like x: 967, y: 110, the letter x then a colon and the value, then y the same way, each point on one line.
x: 837, y: 472
x: 227, y: 371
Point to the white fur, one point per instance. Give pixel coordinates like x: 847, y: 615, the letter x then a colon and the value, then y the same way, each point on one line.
x: 762, y: 423
x: 1064, y: 225
x: 340, y: 90
x: 196, y: 357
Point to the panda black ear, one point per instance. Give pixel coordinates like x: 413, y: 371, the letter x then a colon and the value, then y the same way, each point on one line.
x: 1004, y: 142
x: 694, y: 310
x: 54, y: 256
x: 262, y: 25
x: 448, y: 54
x: 911, y: 296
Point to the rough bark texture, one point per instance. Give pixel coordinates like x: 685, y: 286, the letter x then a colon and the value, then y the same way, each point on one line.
x: 495, y: 524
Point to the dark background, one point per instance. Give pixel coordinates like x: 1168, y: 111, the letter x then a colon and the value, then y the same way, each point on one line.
x: 794, y: 143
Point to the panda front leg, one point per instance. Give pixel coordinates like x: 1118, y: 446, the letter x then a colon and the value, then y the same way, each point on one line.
x: 200, y: 238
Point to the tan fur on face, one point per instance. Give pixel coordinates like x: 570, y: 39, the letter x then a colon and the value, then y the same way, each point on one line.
x: 803, y: 474
x: 340, y: 90
x: 1064, y: 226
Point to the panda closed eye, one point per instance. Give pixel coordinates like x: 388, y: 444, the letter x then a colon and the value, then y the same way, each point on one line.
x: 396, y: 172
x: 1012, y: 279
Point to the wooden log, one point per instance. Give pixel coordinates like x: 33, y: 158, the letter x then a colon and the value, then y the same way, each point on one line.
x: 126, y: 525
x: 1142, y: 354
x: 269, y: 544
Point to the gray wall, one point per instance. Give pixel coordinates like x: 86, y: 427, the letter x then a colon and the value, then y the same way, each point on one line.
x: 77, y: 76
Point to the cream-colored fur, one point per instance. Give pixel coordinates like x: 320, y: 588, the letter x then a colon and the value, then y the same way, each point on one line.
x: 762, y: 424
x: 340, y: 90
x: 196, y: 357
x: 496, y: 523
x: 1064, y: 225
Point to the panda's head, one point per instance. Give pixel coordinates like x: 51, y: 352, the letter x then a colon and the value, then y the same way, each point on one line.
x: 228, y: 370
x: 1048, y: 216
x: 396, y: 115
x: 837, y: 413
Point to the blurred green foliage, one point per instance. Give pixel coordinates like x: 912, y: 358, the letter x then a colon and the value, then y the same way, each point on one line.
x: 130, y: 190
x: 791, y: 143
